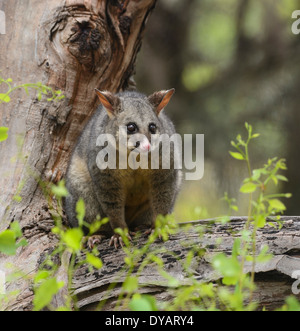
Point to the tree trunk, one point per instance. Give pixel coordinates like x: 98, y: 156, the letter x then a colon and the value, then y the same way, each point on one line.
x: 274, y: 279
x: 74, y: 46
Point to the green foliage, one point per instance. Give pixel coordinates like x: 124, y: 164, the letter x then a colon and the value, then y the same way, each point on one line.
x: 213, y: 33
x: 11, y: 239
x: 40, y: 89
x: 71, y: 241
x: 3, y: 133
x: 45, y: 292
x: 60, y: 190
x: 292, y: 304
x: 143, y: 303
x: 197, y: 76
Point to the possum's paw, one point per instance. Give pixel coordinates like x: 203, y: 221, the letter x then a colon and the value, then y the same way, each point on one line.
x: 151, y: 231
x: 117, y: 241
x: 94, y: 240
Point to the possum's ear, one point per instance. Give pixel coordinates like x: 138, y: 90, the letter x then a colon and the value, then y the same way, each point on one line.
x: 161, y: 99
x: 109, y: 101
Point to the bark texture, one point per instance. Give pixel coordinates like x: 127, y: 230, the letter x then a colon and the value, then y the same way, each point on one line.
x: 273, y: 279
x: 71, y: 45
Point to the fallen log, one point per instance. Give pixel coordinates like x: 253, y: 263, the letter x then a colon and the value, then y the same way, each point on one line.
x: 274, y: 279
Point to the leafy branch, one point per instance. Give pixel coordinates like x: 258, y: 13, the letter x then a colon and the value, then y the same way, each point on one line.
x: 39, y: 87
x: 41, y: 90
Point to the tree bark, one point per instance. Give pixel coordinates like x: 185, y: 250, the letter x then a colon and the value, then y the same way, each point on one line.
x: 74, y: 46
x: 273, y: 279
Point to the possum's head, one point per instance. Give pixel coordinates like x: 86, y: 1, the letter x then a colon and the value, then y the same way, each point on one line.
x: 135, y: 117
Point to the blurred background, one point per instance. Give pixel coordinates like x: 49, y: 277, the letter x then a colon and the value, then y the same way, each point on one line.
x: 231, y: 61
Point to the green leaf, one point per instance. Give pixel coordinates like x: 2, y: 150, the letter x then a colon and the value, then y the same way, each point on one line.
x: 129, y: 261
x: 80, y: 210
x: 3, y: 133
x: 17, y: 198
x: 8, y: 242
x: 21, y: 243
x: 236, y: 247
x: 173, y: 282
x: 275, y: 180
x: 94, y: 261
x: 45, y: 293
x: 143, y: 303
x: 131, y: 284
x: 249, y: 128
x: 72, y: 238
x: 15, y: 227
x: 5, y: 98
x: 96, y: 225
x: 230, y: 281
x: 282, y: 178
x: 237, y: 156
x: 41, y: 275
x: 60, y: 190
x: 229, y: 267
x: 234, y: 208
x: 292, y: 304
x: 26, y: 89
x: 261, y: 221
x: 277, y: 205
x: 248, y: 188
x: 256, y: 174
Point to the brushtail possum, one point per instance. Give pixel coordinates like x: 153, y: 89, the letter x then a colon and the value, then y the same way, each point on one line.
x: 129, y: 198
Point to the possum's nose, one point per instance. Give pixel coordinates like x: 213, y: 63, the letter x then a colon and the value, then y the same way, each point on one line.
x: 146, y: 146
x: 143, y: 145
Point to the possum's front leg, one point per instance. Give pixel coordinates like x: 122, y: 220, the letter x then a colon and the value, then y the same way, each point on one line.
x: 164, y: 190
x: 111, y: 198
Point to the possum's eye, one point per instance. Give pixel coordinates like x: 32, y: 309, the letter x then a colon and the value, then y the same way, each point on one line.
x: 132, y: 128
x: 152, y: 128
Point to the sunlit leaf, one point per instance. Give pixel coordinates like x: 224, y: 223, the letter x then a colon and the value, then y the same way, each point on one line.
x: 80, y: 211
x: 237, y: 156
x: 72, y: 238
x: 131, y: 284
x: 143, y: 303
x: 3, y: 133
x: 277, y: 205
x: 60, y: 189
x: 94, y: 261
x: 45, y: 293
x: 5, y: 98
x: 248, y: 188
x: 8, y: 242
